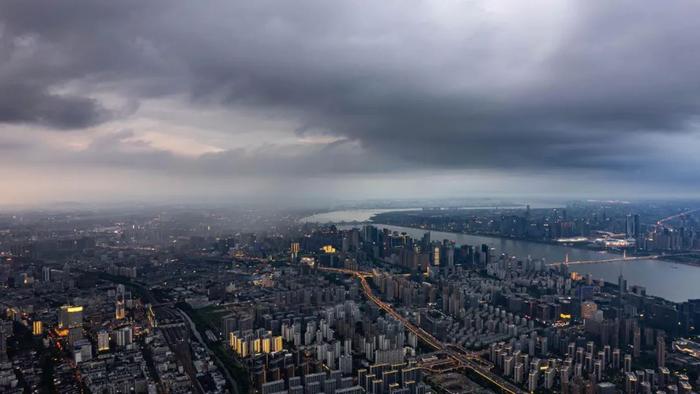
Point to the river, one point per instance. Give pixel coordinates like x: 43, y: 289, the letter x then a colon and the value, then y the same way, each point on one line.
x: 669, y: 280
x: 349, y: 215
x: 364, y: 215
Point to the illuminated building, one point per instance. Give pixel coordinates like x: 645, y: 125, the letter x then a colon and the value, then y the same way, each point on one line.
x: 120, y: 312
x: 294, y: 249
x: 70, y: 316
x: 328, y: 249
x: 308, y: 261
x: 152, y: 322
x: 630, y: 382
x: 266, y: 345
x: 588, y: 310
x: 102, y: 341
x: 247, y: 343
x: 277, y: 344
x: 37, y: 327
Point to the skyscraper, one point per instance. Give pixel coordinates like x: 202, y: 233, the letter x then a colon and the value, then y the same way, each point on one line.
x: 622, y: 284
x: 294, y: 251
x: 70, y: 319
x: 102, y: 341
x: 660, y: 351
x: 637, y: 342
x: 629, y: 226
x: 70, y: 316
x: 37, y: 327
x: 588, y: 310
x: 632, y: 226
x: 436, y: 255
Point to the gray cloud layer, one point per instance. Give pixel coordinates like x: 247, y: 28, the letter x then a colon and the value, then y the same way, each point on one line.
x: 577, y: 86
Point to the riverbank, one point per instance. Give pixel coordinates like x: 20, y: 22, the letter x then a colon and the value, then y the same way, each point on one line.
x: 679, y: 284
x: 689, y: 260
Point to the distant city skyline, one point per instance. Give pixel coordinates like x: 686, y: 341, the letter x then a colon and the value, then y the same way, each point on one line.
x: 283, y: 102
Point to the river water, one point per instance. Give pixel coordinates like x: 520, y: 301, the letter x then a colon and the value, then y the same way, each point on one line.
x: 349, y: 215
x: 672, y: 281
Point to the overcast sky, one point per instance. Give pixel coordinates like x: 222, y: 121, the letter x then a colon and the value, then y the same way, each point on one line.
x: 158, y: 100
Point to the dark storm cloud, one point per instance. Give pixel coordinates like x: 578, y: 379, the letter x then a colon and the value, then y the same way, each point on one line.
x: 571, y: 85
x: 22, y: 103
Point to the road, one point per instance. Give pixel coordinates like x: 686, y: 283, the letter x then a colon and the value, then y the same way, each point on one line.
x: 177, y: 337
x: 460, y: 355
x: 220, y: 363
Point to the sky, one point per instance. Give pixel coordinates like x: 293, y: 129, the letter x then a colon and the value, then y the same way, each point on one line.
x: 280, y: 101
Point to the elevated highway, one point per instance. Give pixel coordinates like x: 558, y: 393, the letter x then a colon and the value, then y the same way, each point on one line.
x: 623, y: 258
x: 463, y: 358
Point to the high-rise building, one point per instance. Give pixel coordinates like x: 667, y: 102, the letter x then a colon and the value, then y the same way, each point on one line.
x: 102, y: 341
x: 46, y: 274
x: 518, y: 371
x: 485, y: 256
x: 660, y: 351
x: 294, y: 250
x: 564, y: 374
x: 532, y: 381
x: 436, y: 255
x: 616, y: 358
x: 425, y: 241
x: 549, y: 376
x: 588, y: 310
x: 629, y: 226
x: 628, y: 363
x: 70, y: 316
x: 598, y: 370
x: 123, y: 336
x: 630, y: 383
x: 37, y: 327
x: 637, y: 341
x: 119, y: 303
x: 621, y: 284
